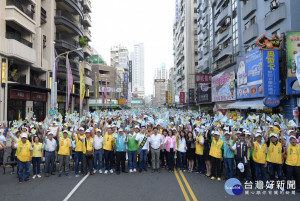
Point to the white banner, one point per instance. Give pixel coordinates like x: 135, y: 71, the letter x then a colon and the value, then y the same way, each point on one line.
x: 297, y: 63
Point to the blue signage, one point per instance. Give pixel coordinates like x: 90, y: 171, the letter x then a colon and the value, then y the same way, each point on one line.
x: 292, y: 86
x: 272, y: 101
x: 271, y: 72
x: 249, y: 75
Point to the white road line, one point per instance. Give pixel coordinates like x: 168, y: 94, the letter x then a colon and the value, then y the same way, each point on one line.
x: 76, y: 187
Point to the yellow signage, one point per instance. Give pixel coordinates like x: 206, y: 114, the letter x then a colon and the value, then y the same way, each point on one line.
x: 122, y: 101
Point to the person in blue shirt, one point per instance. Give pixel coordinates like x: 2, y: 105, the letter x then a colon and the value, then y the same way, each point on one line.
x: 121, y: 140
x: 229, y: 148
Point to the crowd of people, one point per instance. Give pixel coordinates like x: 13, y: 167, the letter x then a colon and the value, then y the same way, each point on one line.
x: 255, y: 148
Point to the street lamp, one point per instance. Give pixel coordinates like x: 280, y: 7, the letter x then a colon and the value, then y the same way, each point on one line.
x: 54, y: 82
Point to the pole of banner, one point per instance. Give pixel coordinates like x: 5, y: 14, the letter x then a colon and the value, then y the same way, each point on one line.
x: 80, y: 90
x: 67, y: 81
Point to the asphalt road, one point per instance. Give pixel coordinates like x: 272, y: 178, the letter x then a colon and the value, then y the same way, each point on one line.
x: 131, y: 186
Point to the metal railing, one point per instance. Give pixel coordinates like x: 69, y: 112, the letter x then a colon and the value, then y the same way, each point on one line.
x: 17, y: 37
x: 18, y: 4
x: 67, y: 39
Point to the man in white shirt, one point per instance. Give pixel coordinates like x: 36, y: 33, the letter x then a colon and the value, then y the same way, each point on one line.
x: 2, y: 145
x: 143, y: 139
x: 50, y: 148
x: 98, y: 149
x: 156, y: 141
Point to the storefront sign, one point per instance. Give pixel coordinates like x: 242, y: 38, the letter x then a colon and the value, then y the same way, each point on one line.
x: 204, y: 93
x: 18, y: 94
x: 38, y: 97
x: 122, y: 101
x: 271, y: 72
x: 292, y: 86
x: 182, y: 97
x: 191, y: 96
x: 223, y: 86
x: 292, y: 48
x: 265, y: 42
x: 203, y: 78
x: 167, y: 96
x: 272, y: 101
x: 83, y: 101
x: 249, y: 75
x: 137, y: 102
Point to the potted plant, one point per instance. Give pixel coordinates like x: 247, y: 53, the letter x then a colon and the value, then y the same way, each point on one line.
x: 83, y: 42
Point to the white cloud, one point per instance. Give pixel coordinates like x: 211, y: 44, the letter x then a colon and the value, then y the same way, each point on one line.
x: 127, y: 21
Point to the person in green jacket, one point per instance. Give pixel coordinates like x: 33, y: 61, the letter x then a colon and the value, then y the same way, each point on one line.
x: 132, y: 149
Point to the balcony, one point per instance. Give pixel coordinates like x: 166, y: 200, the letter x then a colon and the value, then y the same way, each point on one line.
x: 67, y: 44
x: 87, y: 65
x: 249, y: 8
x: 205, y: 50
x: 87, y: 34
x: 216, y: 51
x: 19, y: 78
x: 227, y: 61
x: 62, y: 69
x: 199, y: 4
x: 87, y: 20
x: 250, y: 34
x: 222, y: 34
x: 225, y: 52
x: 275, y: 16
x: 73, y: 4
x: 14, y: 36
x: 87, y: 5
x: 205, y: 5
x: 88, y: 81
x: 205, y: 20
x: 37, y: 82
x: 43, y: 15
x: 16, y: 15
x: 65, y: 20
x: 87, y: 50
x: 205, y: 34
x: 200, y: 42
x: 199, y: 16
x: 14, y: 48
x: 18, y: 4
x: 199, y: 29
x: 222, y: 16
x: 200, y: 55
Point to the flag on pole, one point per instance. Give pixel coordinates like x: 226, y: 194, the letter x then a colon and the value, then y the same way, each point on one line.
x: 96, y: 86
x: 56, y: 65
x: 70, y: 83
x: 105, y: 95
x: 82, y: 87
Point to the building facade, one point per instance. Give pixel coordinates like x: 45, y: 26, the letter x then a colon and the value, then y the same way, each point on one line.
x: 138, y: 70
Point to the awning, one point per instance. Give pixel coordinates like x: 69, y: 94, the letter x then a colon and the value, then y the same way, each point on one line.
x: 253, y: 104
x: 107, y: 106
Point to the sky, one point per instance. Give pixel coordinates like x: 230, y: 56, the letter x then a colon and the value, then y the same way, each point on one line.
x: 126, y: 22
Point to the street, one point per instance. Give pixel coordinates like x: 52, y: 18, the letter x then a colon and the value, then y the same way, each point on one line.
x: 131, y: 186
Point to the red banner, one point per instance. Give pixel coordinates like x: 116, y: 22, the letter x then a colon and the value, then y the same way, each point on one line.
x: 203, y: 78
x: 18, y: 94
x: 182, y: 97
x: 38, y: 97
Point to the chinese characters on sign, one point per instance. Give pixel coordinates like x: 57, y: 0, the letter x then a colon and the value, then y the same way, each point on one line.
x: 271, y: 73
x: 182, y: 97
x: 203, y: 78
x: 191, y: 96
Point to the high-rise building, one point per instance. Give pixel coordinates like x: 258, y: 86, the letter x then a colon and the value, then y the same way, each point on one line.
x: 161, y: 73
x: 28, y: 30
x: 185, y: 45
x: 138, y: 68
x: 160, y: 88
x: 119, y: 56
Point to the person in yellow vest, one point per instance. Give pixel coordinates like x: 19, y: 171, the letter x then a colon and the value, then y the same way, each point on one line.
x: 259, y: 154
x: 199, y: 148
x: 89, y: 154
x: 215, y: 153
x: 275, y: 155
x: 24, y: 155
x: 37, y: 155
x: 64, y: 152
x: 293, y: 163
x: 79, y: 150
x: 108, y: 147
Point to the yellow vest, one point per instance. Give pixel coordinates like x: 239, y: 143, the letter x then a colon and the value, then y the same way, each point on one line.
x: 64, y: 146
x: 108, y: 142
x: 199, y: 148
x: 275, y: 153
x: 89, y: 144
x: 293, y: 155
x: 23, y: 153
x: 259, y: 153
x: 80, y: 146
x: 37, y: 150
x: 216, y: 148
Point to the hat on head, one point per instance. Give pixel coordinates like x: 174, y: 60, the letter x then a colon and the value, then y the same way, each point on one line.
x: 258, y: 131
x: 271, y: 126
x: 174, y: 129
x: 136, y: 126
x: 273, y: 135
x: 217, y: 133
x: 65, y: 131
x: 238, y: 132
x: 40, y: 124
x: 180, y: 125
x: 292, y: 136
x: 24, y: 135
x: 258, y: 134
x: 121, y: 130
x: 289, y: 131
x: 87, y: 131
x: 81, y: 129
x: 50, y: 133
x: 227, y: 133
x: 276, y: 124
x: 54, y: 122
x: 247, y: 133
x: 98, y: 130
x: 31, y: 126
x: 226, y: 128
x: 65, y: 125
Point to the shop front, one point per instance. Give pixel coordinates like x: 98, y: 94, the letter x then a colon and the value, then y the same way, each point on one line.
x: 203, y: 83
x: 16, y: 104
x: 39, y: 105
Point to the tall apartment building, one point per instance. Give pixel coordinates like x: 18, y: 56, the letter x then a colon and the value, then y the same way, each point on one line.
x: 138, y: 70
x: 28, y: 30
x: 119, y: 56
x: 161, y: 73
x: 185, y: 42
x: 160, y: 85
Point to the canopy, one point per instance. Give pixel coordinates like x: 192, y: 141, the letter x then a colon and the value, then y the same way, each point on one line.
x: 253, y: 104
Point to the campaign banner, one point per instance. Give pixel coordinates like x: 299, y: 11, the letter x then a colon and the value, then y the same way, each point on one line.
x: 182, y: 97
x: 203, y: 78
x: 271, y: 73
x: 292, y: 48
x: 204, y: 93
x: 223, y: 86
x: 249, y: 75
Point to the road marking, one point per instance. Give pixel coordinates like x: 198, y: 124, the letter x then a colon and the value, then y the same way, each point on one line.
x: 181, y: 186
x: 188, y: 187
x: 76, y: 187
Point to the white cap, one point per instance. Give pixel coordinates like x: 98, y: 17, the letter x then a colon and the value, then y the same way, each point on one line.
x: 65, y: 131
x: 197, y: 129
x: 226, y: 128
x: 276, y: 124
x: 31, y: 126
x: 226, y: 133
x: 271, y: 126
x: 98, y: 130
x: 292, y: 136
x: 257, y: 134
x: 212, y: 132
x: 81, y: 129
x: 108, y: 126
x: 174, y: 129
x: 136, y: 126
x: 217, y: 133
x: 121, y: 130
x: 247, y: 133
x: 1, y: 130
x: 273, y: 135
x: 241, y: 167
x: 114, y: 125
x: 258, y: 131
x: 54, y: 122
x: 87, y: 131
x: 50, y: 133
x: 180, y: 125
x: 40, y: 124
x: 66, y: 125
x: 15, y: 126
x: 289, y: 131
x: 24, y: 135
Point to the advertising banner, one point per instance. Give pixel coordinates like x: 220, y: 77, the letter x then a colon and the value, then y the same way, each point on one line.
x: 271, y: 72
x: 204, y: 93
x: 182, y: 97
x: 223, y: 86
x: 203, y: 78
x: 292, y: 86
x: 292, y: 48
x: 249, y: 75
x: 191, y: 96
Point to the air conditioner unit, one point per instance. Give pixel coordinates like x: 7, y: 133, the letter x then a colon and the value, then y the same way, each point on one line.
x: 274, y: 4
x: 220, y: 47
x: 227, y: 21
